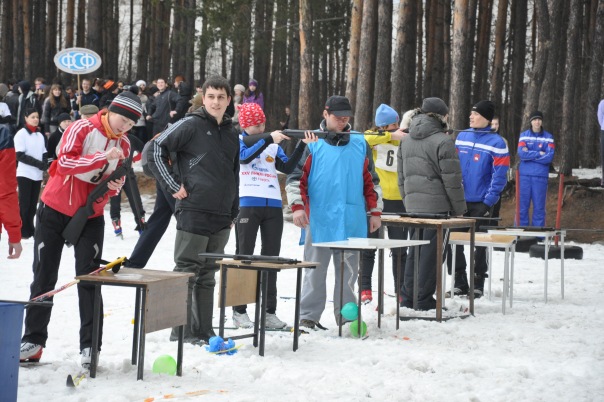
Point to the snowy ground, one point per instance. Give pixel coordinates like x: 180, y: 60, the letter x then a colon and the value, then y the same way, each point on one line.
x: 536, y: 352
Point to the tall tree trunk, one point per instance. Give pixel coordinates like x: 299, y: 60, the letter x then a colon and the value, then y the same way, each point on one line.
x: 189, y: 46
x: 430, y: 17
x: 26, y: 39
x: 569, y: 100
x: 295, y: 67
x: 18, y: 54
x: 364, y: 99
x: 549, y: 99
x: 131, y: 42
x: 499, y: 53
x: 457, y: 108
x: 518, y: 24
x: 142, y: 55
x: 403, y: 76
x: 305, y: 107
x: 51, y: 38
x: 482, y: 50
x: 69, y: 24
x: 590, y: 126
x: 538, y: 72
x: 6, y: 40
x: 93, y: 37
x: 383, y: 69
x: 80, y: 40
x: 420, y: 61
x: 353, y: 54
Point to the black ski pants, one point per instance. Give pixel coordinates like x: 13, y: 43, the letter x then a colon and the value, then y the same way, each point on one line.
x: 270, y: 222
x: 156, y: 227
x: 48, y: 248
x: 29, y: 192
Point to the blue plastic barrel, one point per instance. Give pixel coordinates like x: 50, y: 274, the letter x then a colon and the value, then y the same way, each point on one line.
x: 11, y: 317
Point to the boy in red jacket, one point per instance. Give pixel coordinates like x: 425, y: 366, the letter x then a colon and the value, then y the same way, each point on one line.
x: 9, y: 200
x: 90, y: 150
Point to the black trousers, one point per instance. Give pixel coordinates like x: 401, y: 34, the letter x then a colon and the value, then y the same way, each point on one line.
x: 156, y: 227
x: 134, y: 199
x: 480, y: 253
x: 29, y: 192
x: 426, y: 274
x: 270, y: 222
x: 48, y: 247
x: 368, y: 256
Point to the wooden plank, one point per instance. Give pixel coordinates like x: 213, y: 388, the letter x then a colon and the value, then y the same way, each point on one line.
x: 166, y: 305
x: 241, y: 287
x: 482, y: 238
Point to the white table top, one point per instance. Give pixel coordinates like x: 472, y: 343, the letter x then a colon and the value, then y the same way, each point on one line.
x: 359, y: 243
x: 531, y: 233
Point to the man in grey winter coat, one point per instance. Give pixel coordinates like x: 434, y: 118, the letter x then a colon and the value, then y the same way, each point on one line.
x: 429, y: 179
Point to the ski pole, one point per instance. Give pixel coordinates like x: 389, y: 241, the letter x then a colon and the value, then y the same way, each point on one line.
x: 111, y: 265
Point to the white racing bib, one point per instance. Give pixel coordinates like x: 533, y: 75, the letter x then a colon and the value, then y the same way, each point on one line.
x: 385, y: 157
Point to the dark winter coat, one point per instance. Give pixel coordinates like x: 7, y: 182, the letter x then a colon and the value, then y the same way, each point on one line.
x: 429, y: 173
x: 205, y: 160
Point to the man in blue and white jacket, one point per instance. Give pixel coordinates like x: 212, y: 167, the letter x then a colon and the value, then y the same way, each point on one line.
x: 485, y: 160
x: 536, y: 151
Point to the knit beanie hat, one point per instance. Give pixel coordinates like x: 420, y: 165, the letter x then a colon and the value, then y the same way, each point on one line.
x: 435, y: 105
x: 250, y: 114
x: 141, y: 82
x: 253, y: 82
x: 62, y: 117
x: 485, y: 108
x: 385, y: 115
x: 128, y: 105
x: 25, y: 86
x: 536, y: 115
x: 239, y: 87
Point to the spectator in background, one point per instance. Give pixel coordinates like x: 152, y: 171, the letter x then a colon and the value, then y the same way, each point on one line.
x: 88, y: 111
x: 27, y: 100
x: 253, y: 94
x: 55, y: 105
x: 10, y: 218
x: 237, y: 100
x: 163, y: 107
x: 87, y: 96
x: 285, y: 124
x: 55, y: 138
x: 30, y: 146
x: 111, y: 91
x: 535, y: 151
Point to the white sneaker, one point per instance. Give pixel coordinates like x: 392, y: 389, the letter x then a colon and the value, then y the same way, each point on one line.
x: 242, y: 320
x: 86, y: 354
x: 30, y: 352
x: 273, y: 322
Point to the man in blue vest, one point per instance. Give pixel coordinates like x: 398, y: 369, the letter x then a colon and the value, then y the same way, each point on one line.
x: 330, y: 192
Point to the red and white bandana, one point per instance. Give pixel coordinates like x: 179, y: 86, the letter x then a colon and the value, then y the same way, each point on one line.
x: 250, y: 114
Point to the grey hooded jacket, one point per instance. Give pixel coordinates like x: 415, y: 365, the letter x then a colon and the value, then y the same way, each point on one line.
x: 429, y: 173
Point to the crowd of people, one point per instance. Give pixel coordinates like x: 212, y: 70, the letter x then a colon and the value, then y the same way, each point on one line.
x: 207, y: 151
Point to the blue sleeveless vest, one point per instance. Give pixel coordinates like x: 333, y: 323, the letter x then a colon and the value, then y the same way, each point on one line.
x: 335, y: 190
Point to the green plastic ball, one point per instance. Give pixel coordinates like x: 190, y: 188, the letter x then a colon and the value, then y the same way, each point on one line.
x: 354, y: 328
x: 164, y: 364
x: 350, y: 311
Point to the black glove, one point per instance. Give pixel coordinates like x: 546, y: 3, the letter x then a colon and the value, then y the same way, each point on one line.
x: 483, y: 210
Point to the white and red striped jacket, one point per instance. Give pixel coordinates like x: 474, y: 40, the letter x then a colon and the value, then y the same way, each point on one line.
x: 81, y: 164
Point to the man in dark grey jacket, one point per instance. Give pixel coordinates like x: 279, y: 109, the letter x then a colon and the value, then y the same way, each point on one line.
x: 429, y: 179
x: 196, y: 160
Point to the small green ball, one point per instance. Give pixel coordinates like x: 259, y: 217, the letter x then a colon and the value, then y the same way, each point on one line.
x: 164, y: 364
x: 354, y: 328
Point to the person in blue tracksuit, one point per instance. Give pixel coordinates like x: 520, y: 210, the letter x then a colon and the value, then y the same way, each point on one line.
x: 485, y: 160
x: 536, y: 151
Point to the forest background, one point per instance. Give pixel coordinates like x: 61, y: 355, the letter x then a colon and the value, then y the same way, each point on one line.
x: 524, y: 55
